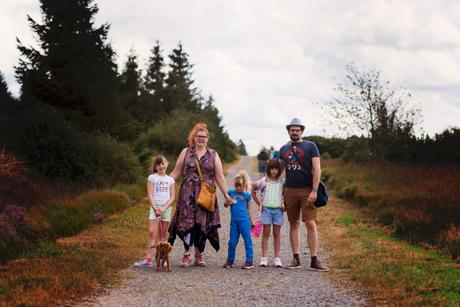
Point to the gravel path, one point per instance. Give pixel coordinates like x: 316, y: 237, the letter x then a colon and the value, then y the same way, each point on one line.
x: 214, y: 285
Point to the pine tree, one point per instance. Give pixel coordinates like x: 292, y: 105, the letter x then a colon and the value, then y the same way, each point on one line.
x: 154, y: 80
x: 220, y: 139
x: 179, y: 90
x: 5, y: 96
x: 6, y: 99
x: 131, y: 76
x: 73, y: 69
x: 154, y: 87
x: 241, y: 148
x: 131, y: 88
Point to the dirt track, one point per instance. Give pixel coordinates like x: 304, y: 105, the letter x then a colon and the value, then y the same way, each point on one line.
x: 214, y: 285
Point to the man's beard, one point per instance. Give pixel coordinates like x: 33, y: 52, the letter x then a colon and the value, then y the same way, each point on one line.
x: 295, y: 138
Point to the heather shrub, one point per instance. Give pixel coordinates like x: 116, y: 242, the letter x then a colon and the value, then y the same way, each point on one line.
x: 13, y: 229
x: 421, y: 203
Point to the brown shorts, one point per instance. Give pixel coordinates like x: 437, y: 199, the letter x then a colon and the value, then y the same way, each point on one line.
x: 296, y: 200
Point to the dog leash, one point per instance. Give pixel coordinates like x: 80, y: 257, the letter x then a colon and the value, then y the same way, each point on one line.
x: 161, y: 227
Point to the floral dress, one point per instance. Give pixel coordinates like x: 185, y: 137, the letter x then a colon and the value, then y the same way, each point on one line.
x: 192, y: 224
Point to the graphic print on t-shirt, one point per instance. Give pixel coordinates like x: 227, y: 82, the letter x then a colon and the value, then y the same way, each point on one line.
x: 240, y: 197
x: 292, y: 159
x: 293, y: 154
x: 239, y: 209
x: 161, y: 186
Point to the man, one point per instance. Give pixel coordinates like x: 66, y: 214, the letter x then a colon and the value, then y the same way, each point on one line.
x: 302, y: 165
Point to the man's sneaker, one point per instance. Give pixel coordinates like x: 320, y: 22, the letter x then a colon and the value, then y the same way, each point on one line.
x: 317, y: 266
x: 294, y: 264
x: 228, y: 265
x: 248, y: 266
x: 143, y: 264
x: 277, y: 262
x: 263, y: 261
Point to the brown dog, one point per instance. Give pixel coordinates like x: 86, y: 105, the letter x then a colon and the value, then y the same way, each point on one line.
x: 162, y: 255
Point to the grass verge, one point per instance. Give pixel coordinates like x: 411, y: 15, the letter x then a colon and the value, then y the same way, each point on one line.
x: 421, y: 203
x: 391, y: 271
x: 55, y: 273
x: 75, y: 266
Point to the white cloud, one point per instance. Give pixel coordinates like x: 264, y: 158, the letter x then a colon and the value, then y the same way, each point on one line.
x: 267, y: 61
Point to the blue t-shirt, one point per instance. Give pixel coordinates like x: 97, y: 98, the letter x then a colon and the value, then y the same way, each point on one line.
x: 304, y: 151
x: 239, y: 209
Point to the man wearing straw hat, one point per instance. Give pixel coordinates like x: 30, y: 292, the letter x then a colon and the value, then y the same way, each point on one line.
x: 303, y: 170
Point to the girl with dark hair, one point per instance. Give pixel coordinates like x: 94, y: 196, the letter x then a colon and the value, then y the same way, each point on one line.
x: 271, y: 206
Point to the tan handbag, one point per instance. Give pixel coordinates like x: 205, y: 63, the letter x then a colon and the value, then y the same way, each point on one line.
x: 207, y: 197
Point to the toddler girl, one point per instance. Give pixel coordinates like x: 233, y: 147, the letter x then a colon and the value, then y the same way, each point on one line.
x: 241, y: 220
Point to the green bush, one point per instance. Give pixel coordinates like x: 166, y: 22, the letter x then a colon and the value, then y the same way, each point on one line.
x: 58, y: 150
x: 325, y: 155
x: 334, y: 147
x: 325, y: 175
x: 169, y: 136
x: 357, y: 149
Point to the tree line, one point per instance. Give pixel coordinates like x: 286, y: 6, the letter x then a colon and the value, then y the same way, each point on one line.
x: 79, y: 118
x: 384, y: 118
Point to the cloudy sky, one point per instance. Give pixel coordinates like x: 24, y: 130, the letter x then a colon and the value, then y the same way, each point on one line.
x: 268, y: 61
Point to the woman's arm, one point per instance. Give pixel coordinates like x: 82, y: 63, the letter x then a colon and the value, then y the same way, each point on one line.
x: 179, y: 165
x: 172, y: 196
x: 150, y: 195
x: 220, y: 179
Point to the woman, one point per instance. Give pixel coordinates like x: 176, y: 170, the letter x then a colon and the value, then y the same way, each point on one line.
x: 262, y: 158
x: 192, y: 224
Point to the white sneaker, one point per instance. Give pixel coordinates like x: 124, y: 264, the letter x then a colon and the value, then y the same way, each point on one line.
x: 277, y: 262
x: 263, y: 261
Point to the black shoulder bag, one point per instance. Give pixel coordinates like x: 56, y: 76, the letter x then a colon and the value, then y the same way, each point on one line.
x: 322, y: 194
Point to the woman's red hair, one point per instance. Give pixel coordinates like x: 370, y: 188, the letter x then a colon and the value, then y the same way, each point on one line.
x: 194, y: 132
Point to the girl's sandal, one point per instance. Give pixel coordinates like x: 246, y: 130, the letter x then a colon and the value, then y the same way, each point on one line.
x: 185, y: 262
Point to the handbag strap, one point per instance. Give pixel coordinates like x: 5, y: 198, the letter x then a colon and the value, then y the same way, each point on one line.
x: 199, y: 169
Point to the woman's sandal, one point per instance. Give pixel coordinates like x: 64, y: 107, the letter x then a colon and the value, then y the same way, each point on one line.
x: 185, y: 262
x: 199, y: 261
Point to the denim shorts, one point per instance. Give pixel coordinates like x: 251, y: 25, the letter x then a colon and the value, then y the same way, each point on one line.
x: 272, y: 216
